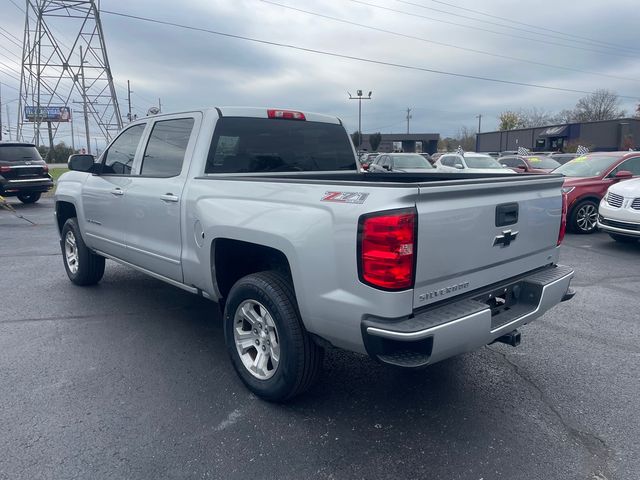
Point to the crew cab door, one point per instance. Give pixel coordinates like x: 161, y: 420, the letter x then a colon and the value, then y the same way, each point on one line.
x: 103, y: 194
x: 154, y: 197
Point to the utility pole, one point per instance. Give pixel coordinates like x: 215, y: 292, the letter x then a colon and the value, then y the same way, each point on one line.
x: 359, y: 97
x: 479, y: 117
x: 84, y: 103
x: 129, y: 100
x: 409, y: 117
x: 159, y: 106
x: 8, y: 121
x: 71, y: 120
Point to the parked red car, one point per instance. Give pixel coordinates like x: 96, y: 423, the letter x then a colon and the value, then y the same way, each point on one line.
x: 529, y: 163
x: 587, y: 180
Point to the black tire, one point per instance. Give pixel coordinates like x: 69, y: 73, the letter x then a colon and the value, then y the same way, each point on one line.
x: 300, y: 358
x: 583, y: 216
x: 89, y: 267
x: 29, y: 197
x: 623, y: 238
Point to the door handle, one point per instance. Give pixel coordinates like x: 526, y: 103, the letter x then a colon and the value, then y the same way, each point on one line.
x: 168, y: 197
x: 117, y: 191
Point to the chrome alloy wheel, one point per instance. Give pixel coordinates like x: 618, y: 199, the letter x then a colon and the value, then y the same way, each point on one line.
x: 586, y: 217
x: 71, y: 252
x: 256, y: 338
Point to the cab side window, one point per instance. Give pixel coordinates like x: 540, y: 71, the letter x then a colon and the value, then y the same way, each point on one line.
x: 165, y: 151
x: 631, y: 165
x: 448, y: 160
x: 118, y: 159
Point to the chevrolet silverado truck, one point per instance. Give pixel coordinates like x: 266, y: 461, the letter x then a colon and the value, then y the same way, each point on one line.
x: 267, y: 213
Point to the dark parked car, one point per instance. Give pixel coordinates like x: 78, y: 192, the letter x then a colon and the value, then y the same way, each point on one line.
x: 587, y: 179
x: 563, y: 158
x: 529, y: 163
x: 23, y: 173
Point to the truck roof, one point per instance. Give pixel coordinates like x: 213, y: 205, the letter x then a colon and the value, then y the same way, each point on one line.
x: 257, y: 112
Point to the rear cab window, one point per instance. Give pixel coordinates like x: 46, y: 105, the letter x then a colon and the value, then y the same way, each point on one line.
x: 166, y: 148
x: 248, y: 145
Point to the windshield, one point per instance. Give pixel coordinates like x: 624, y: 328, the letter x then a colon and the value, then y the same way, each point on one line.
x: 18, y: 153
x: 481, y: 161
x: 587, y: 166
x: 542, y: 162
x: 410, y: 161
x: 245, y: 145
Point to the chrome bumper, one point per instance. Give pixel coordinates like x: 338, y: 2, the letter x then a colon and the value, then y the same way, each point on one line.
x: 465, y: 325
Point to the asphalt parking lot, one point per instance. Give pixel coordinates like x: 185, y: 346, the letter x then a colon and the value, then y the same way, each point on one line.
x: 130, y: 379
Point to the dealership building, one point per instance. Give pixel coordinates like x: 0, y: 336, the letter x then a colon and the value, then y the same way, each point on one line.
x: 405, y: 142
x: 606, y: 135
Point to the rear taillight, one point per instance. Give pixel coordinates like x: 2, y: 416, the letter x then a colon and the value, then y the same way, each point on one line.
x: 285, y: 114
x: 5, y: 169
x: 45, y: 168
x: 387, y: 249
x: 563, y: 219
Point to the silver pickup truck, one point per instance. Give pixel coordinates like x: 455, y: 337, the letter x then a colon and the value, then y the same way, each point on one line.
x: 267, y: 213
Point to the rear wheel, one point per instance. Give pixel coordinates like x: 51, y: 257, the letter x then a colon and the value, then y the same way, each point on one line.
x: 82, y: 265
x: 269, y: 347
x: 29, y: 197
x: 623, y: 238
x: 584, y: 217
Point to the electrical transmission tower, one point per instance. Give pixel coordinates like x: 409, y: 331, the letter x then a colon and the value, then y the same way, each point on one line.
x: 54, y: 72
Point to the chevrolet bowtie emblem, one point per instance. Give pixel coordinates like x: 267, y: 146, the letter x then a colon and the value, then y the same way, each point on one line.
x: 505, y: 239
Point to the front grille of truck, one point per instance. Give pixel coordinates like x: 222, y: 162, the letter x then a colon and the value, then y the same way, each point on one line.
x: 622, y: 225
x: 614, y: 200
x: 635, y: 204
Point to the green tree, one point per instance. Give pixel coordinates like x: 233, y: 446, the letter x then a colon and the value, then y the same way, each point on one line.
x: 374, y: 140
x: 60, y: 153
x: 356, y: 138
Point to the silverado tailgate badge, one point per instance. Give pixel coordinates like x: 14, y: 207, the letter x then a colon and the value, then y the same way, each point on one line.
x: 505, y: 239
x: 344, y: 197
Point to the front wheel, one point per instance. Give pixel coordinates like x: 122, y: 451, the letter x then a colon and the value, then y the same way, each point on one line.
x: 623, y: 238
x: 82, y: 265
x: 584, y: 217
x: 29, y: 197
x: 269, y: 347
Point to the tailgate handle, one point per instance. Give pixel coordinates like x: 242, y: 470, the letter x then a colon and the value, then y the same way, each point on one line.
x: 506, y: 214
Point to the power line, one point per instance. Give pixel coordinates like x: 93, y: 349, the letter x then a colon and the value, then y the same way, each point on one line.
x: 349, y: 57
x: 422, y: 39
x: 458, y: 15
x: 439, y: 20
x: 617, y: 45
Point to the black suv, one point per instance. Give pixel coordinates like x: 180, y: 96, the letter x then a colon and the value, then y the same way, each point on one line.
x: 23, y: 173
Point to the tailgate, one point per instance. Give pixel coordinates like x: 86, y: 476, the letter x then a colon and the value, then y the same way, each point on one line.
x: 469, y: 236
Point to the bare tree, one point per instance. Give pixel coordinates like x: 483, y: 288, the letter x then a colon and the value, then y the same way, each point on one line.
x: 600, y: 105
x: 534, y: 117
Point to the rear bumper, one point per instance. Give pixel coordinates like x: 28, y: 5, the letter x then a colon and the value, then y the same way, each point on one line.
x: 445, y: 331
x: 10, y: 188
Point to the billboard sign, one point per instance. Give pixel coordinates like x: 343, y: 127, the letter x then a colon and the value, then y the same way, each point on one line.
x: 47, y: 114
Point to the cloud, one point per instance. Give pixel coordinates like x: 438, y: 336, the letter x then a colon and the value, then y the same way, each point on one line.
x: 189, y: 69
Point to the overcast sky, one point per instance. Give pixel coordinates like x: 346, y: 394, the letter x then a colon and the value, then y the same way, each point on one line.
x: 188, y: 69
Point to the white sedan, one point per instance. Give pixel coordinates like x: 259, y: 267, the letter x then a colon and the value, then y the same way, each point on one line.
x: 470, y: 162
x: 619, y: 212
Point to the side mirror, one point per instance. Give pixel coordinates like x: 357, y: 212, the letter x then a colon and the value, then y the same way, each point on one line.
x: 81, y: 162
x: 623, y: 175
x: 459, y: 166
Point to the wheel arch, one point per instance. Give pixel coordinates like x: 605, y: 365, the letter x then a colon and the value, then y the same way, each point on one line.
x: 64, y: 211
x: 232, y: 259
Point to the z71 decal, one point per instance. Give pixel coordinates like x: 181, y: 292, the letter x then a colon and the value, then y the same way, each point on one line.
x: 344, y: 197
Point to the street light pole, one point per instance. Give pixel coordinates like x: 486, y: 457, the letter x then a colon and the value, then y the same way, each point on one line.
x: 359, y: 97
x: 479, y: 117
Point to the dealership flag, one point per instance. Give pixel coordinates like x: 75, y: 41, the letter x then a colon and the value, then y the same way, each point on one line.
x: 460, y: 151
x: 582, y: 150
x: 523, y: 151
